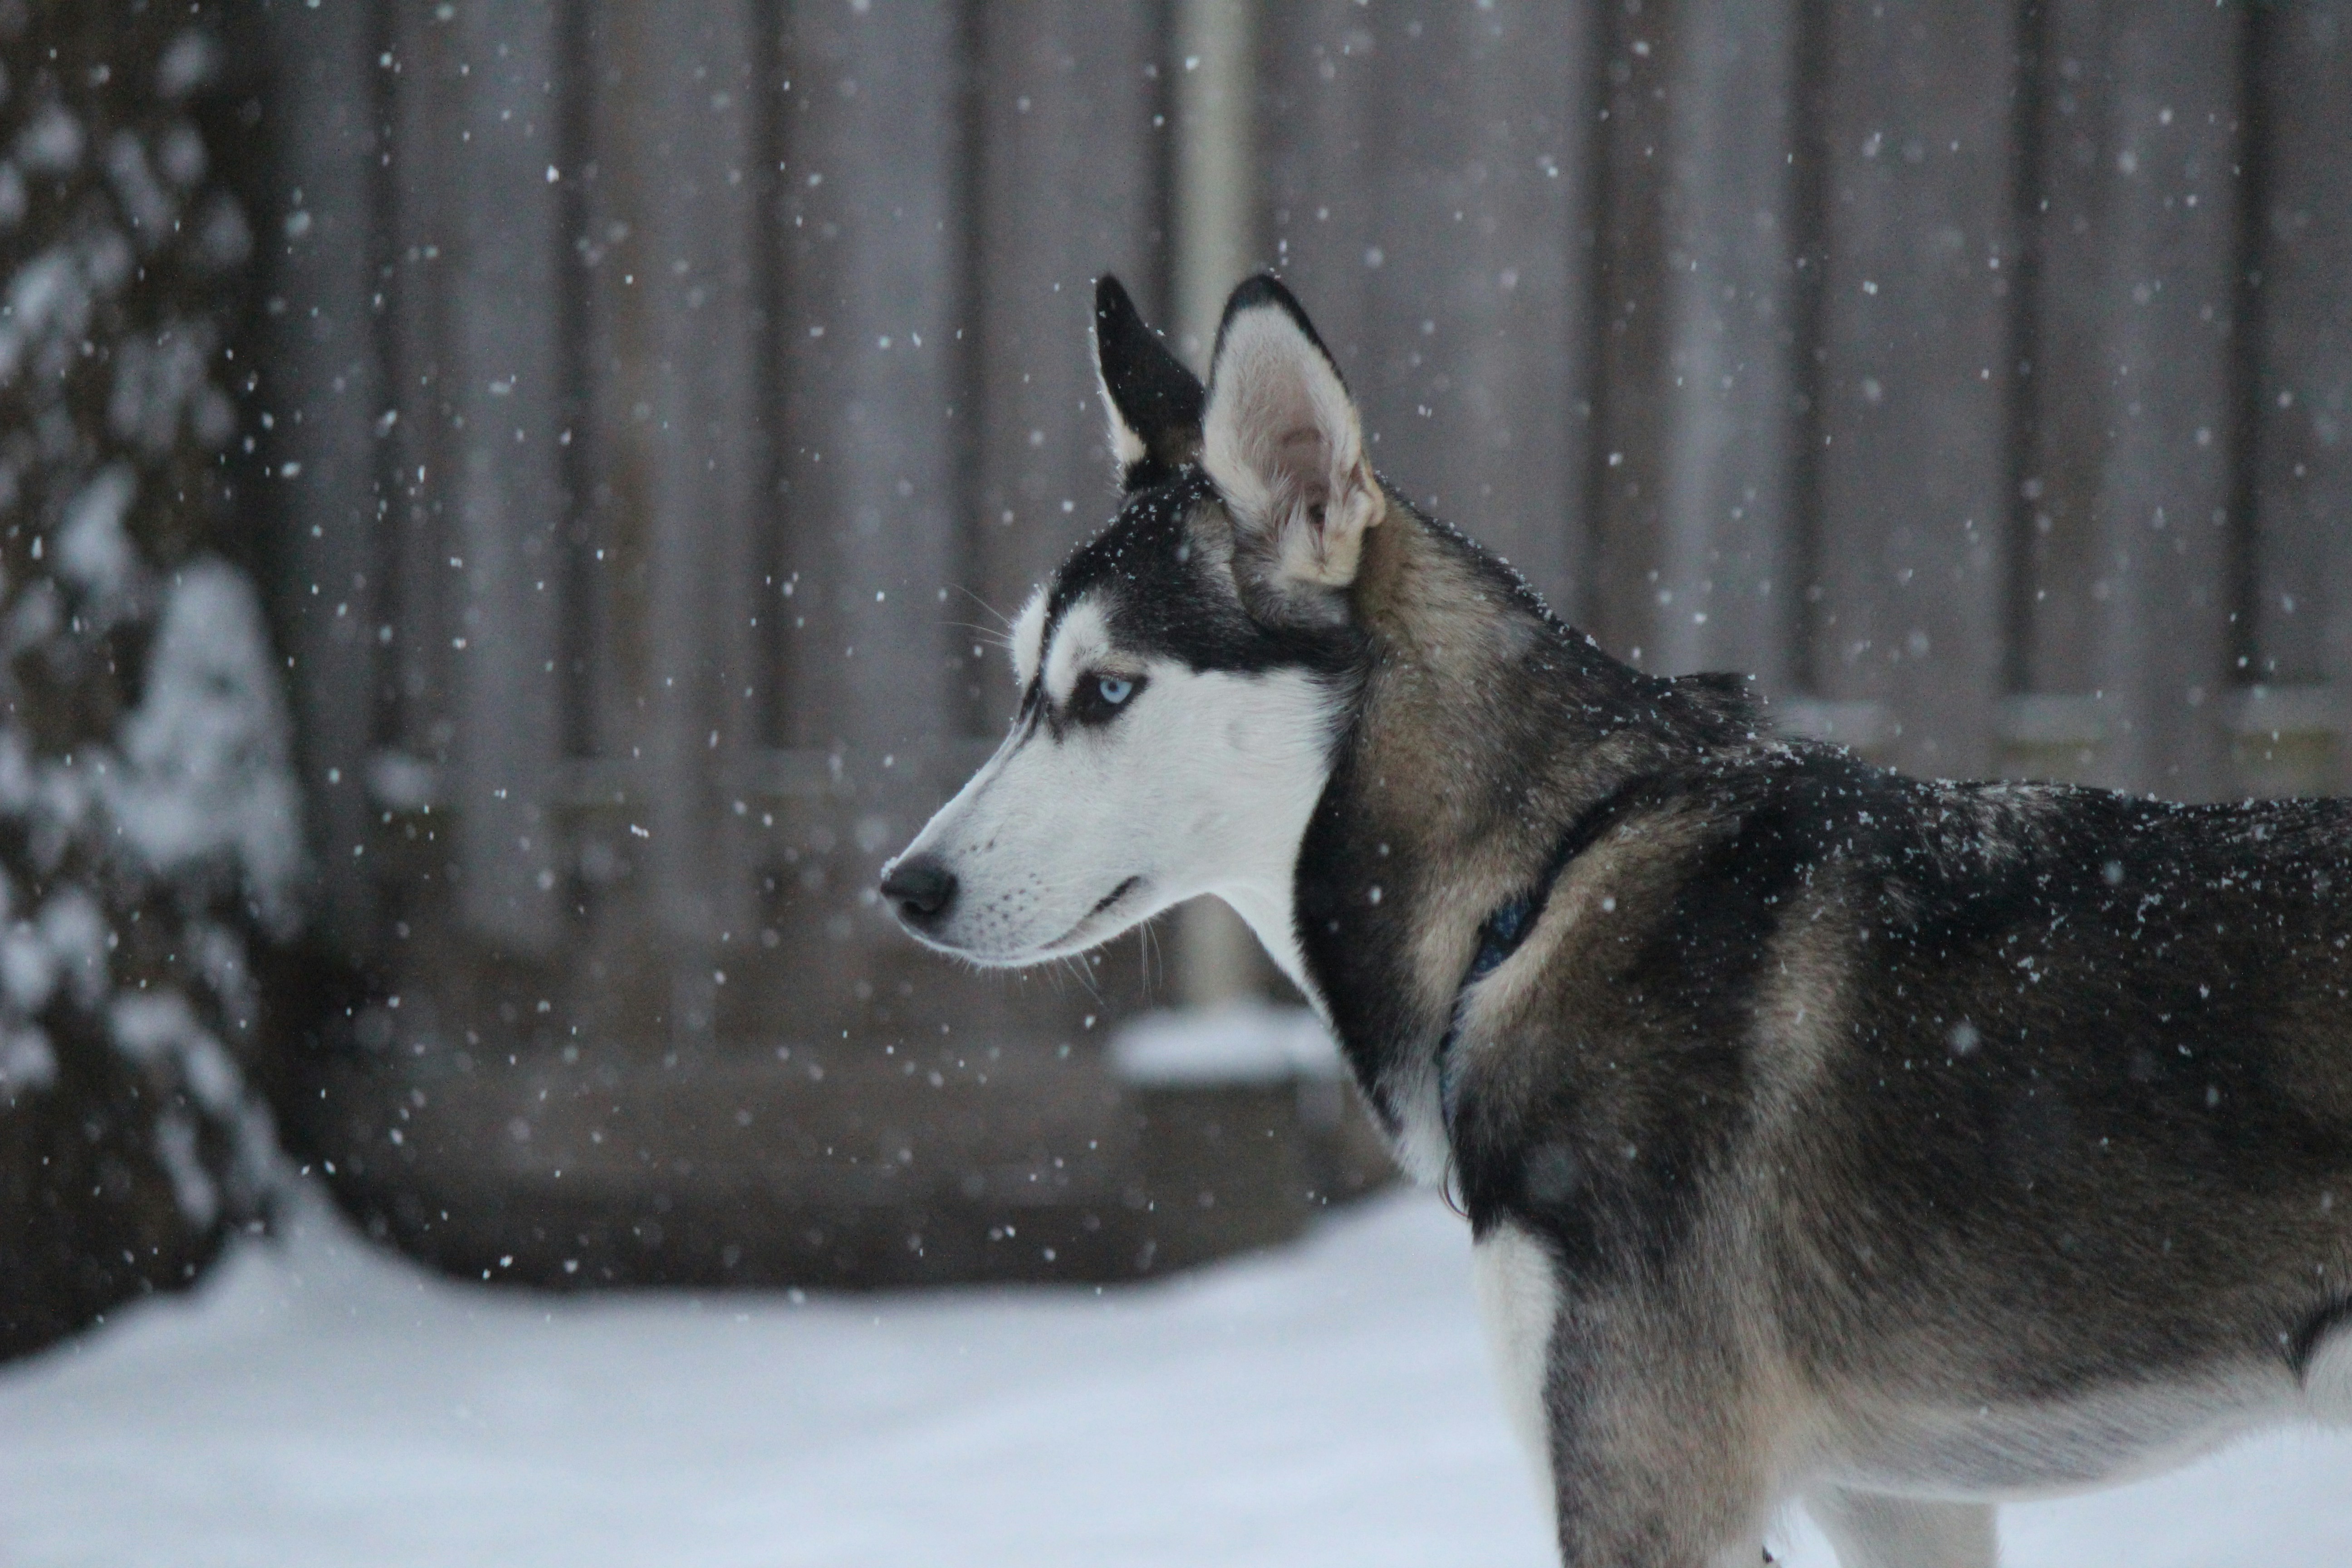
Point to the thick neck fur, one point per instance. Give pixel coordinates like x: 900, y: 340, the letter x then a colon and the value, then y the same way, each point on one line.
x: 1482, y: 729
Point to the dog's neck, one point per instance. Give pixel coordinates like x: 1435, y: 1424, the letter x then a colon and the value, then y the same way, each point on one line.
x: 1511, y: 720
x: 1481, y: 728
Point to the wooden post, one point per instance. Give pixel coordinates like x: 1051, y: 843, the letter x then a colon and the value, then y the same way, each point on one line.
x: 1315, y: 166
x: 1914, y: 471
x: 326, y: 391
x: 1215, y: 196
x: 504, y: 360
x: 2058, y: 726
x: 1633, y: 140
x: 1214, y: 245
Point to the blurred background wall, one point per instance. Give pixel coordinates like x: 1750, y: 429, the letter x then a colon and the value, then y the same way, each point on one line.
x: 666, y: 401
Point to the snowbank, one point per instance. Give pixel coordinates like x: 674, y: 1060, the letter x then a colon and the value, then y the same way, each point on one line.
x: 320, y: 1403
x: 1241, y: 1042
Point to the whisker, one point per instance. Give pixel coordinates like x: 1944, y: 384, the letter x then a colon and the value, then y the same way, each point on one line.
x: 986, y: 608
x: 1153, y: 949
x: 1085, y: 972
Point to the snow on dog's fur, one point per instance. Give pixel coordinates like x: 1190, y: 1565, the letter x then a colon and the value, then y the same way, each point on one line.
x: 1826, y: 1132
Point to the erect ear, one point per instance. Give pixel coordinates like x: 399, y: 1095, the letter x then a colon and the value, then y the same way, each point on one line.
x: 1153, y: 402
x: 1282, y: 441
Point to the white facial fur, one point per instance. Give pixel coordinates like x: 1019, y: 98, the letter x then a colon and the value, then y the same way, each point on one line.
x: 1081, y: 645
x: 1127, y: 447
x: 1029, y: 639
x: 1201, y: 782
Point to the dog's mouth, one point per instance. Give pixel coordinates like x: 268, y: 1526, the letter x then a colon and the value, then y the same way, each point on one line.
x: 1083, y: 934
x: 1115, y: 895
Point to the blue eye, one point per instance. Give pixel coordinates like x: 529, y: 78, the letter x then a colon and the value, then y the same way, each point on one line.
x: 1115, y: 691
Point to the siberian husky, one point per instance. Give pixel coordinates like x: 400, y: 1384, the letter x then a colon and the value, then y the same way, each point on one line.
x: 1902, y: 1146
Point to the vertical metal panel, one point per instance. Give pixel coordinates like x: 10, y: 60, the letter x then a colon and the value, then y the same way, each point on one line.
x: 1317, y: 101
x: 1067, y: 189
x: 2165, y: 489
x: 2302, y: 417
x: 504, y: 360
x: 1702, y: 309
x: 2130, y: 431
x: 2062, y: 348
x: 686, y: 181
x: 1630, y: 346
x: 1435, y: 180
x: 873, y: 376
x: 1731, y: 312
x: 327, y: 387
x: 612, y: 185
x: 1427, y: 186
x: 1914, y: 472
x: 413, y: 554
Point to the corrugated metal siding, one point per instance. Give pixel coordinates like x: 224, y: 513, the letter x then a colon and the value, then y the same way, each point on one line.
x: 672, y: 396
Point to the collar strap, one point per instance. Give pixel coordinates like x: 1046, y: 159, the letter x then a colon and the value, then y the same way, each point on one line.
x: 1509, y: 923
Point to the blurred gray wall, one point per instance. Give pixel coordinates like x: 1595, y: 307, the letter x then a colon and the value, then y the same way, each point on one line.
x: 672, y: 398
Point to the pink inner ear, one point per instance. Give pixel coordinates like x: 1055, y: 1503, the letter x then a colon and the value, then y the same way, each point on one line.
x: 1305, y: 459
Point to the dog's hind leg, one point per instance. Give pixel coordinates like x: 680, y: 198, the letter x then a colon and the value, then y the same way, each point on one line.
x: 1877, y: 1530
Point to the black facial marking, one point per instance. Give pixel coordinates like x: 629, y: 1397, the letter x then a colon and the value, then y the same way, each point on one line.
x: 1163, y: 592
x: 2303, y: 1341
x: 1107, y: 899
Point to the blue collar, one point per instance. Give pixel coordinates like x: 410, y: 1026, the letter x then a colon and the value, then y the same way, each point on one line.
x: 1508, y: 925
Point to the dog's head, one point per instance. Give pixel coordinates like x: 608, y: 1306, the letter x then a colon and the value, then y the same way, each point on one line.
x: 1182, y: 676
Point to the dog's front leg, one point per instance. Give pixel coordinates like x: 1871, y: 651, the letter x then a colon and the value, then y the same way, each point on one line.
x: 1661, y: 1448
x: 1874, y: 1529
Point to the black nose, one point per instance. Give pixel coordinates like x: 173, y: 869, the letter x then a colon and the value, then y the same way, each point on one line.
x: 921, y: 886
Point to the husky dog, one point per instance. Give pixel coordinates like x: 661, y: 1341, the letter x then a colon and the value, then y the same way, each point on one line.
x: 1898, y: 1145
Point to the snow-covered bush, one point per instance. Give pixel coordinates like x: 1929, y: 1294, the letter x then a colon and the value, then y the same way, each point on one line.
x: 149, y: 837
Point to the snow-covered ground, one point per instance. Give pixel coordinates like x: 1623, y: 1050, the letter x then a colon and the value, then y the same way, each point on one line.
x: 322, y: 1403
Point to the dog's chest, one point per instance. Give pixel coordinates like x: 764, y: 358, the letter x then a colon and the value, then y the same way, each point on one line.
x: 1518, y: 1305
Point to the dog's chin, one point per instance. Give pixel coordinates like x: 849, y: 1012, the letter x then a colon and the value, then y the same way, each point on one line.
x: 1115, y: 911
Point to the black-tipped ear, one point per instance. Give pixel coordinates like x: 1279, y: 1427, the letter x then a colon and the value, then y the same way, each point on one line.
x: 1283, y: 445
x: 1153, y: 402
x: 1262, y: 291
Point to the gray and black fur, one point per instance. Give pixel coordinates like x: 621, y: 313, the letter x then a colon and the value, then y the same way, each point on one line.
x: 1902, y: 1144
